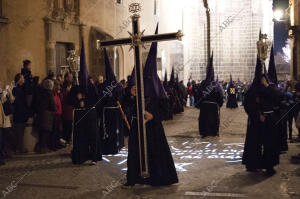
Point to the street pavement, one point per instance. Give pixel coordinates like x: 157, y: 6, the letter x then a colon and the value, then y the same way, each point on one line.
x: 207, y: 168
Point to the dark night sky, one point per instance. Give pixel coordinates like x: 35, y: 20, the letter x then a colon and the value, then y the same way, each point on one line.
x: 280, y: 28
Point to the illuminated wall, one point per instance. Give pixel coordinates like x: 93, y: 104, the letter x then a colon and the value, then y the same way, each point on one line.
x: 295, y: 39
x: 235, y: 28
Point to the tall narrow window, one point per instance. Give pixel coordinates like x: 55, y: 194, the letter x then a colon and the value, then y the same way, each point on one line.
x: 119, y: 1
x: 3, y: 19
x: 155, y: 7
x: 1, y: 6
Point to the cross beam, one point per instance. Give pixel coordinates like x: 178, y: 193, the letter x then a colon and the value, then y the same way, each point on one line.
x: 137, y: 40
x: 144, y: 39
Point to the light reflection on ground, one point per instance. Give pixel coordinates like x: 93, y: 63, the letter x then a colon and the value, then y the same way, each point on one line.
x: 187, y: 152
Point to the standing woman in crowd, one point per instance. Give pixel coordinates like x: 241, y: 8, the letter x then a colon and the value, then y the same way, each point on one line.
x: 57, y: 128
x: 7, y: 98
x: 45, y: 115
x: 67, y: 107
x: 21, y: 112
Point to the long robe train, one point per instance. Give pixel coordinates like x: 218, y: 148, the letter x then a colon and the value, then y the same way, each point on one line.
x: 262, y: 144
x: 209, y: 119
x: 252, y: 156
x: 271, y: 142
x: 112, y: 134
x: 86, y: 142
x: 161, y: 165
x: 232, y: 98
x: 282, y: 128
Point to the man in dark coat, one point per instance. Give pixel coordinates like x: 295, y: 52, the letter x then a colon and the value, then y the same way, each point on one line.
x: 21, y: 112
x: 261, y: 149
x: 161, y: 165
x: 45, y: 115
x: 231, y: 99
x: 26, y: 72
x: 209, y: 99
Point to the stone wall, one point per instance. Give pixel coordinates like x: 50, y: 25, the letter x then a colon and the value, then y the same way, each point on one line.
x: 23, y: 38
x: 294, y: 33
x: 37, y: 25
x: 235, y: 26
x: 28, y: 35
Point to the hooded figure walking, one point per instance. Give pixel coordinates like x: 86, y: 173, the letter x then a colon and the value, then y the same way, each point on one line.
x: 111, y: 127
x: 209, y: 99
x: 161, y: 165
x: 262, y: 142
x: 232, y: 99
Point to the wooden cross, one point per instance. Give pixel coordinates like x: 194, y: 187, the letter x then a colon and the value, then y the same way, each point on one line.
x: 137, y: 40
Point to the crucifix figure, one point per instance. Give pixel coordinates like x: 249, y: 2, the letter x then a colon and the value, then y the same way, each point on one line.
x: 137, y: 40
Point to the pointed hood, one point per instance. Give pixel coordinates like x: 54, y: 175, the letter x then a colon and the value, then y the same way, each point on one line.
x: 258, y: 74
x: 217, y: 80
x: 166, y: 76
x: 152, y: 84
x: 151, y: 63
x: 131, y: 81
x: 109, y: 73
x: 272, y: 69
x: 177, y: 79
x: 210, y: 74
x: 231, y: 85
x: 172, y: 78
x: 83, y: 73
x: 239, y: 82
x: 165, y: 84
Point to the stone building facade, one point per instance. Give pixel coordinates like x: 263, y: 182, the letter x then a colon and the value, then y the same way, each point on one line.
x: 235, y: 26
x: 294, y: 33
x: 43, y: 31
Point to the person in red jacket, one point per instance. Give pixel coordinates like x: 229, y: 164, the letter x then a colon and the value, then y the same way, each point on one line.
x: 191, y: 94
x: 67, y: 112
x: 57, y: 129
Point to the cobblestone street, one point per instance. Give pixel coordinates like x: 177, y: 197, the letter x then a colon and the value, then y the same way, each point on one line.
x: 207, y: 168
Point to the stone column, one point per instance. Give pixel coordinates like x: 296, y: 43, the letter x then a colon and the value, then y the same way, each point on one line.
x: 50, y: 50
x: 50, y: 45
